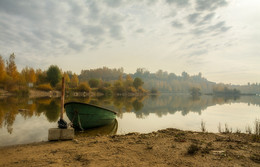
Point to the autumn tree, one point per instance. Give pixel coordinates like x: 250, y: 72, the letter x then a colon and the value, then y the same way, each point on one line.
x: 128, y: 84
x: 83, y: 87
x: 66, y: 78
x: 53, y: 75
x: 74, y: 81
x: 2, y: 69
x: 41, y: 77
x: 118, y: 87
x: 29, y: 75
x: 11, y: 68
x: 138, y: 82
x: 128, y: 81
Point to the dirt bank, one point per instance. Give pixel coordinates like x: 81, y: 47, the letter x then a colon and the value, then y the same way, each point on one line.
x: 37, y: 93
x: 168, y: 147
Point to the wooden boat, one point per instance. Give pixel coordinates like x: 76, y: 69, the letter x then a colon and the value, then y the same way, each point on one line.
x: 85, y: 116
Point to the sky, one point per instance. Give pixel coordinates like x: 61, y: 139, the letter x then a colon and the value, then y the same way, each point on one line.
x: 219, y: 38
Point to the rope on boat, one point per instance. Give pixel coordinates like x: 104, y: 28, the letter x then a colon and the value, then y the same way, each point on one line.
x: 80, y: 123
x: 71, y: 122
x: 74, y: 116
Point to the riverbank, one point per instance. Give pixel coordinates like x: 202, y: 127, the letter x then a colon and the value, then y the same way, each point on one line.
x: 170, y: 147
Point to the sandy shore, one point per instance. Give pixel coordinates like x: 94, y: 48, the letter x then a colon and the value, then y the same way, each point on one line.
x: 170, y: 147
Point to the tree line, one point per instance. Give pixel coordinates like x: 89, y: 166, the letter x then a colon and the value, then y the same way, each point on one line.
x: 103, y: 81
x: 194, y: 84
x: 112, y: 81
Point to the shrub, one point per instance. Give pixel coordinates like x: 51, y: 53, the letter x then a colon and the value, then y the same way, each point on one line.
x: 142, y: 90
x: 106, y: 84
x: 83, y: 87
x: 105, y: 91
x: 192, y: 149
x: 58, y: 86
x: 131, y: 90
x: 118, y: 88
x: 45, y: 87
x: 93, y: 83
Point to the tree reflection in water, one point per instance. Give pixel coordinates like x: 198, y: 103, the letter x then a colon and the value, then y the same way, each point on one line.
x: 142, y: 106
x: 12, y: 106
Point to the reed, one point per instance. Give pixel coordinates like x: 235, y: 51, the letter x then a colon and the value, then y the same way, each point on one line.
x: 248, y: 129
x: 257, y: 127
x: 203, y: 126
x: 219, y: 128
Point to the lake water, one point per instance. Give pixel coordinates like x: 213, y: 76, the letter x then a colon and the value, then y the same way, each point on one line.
x: 24, y: 120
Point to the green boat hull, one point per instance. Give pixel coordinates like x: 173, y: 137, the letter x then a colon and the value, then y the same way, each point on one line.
x: 85, y: 116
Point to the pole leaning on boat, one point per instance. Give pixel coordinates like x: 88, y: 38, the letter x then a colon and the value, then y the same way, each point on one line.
x: 62, y: 124
x: 62, y: 132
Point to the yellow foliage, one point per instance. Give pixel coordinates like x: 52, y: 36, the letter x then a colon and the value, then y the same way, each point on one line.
x: 29, y: 75
x: 74, y: 81
x: 2, y: 69
x: 11, y: 68
x: 45, y: 87
x: 84, y: 87
x: 66, y: 78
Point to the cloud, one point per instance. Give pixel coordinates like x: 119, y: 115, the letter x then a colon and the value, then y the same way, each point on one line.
x: 64, y: 28
x: 219, y: 27
x: 25, y: 9
x: 140, y: 30
x: 93, y: 8
x: 92, y: 31
x: 193, y: 18
x: 113, y: 3
x: 113, y: 24
x: 179, y: 3
x: 198, y: 53
x: 177, y: 24
x: 209, y: 5
x: 208, y: 17
x: 48, y: 25
x: 75, y: 46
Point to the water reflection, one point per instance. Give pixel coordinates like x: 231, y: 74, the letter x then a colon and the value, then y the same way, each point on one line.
x: 109, y: 129
x: 141, y: 106
x: 10, y: 107
x: 50, y: 108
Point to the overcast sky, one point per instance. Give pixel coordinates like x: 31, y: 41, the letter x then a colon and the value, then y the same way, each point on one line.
x: 219, y: 38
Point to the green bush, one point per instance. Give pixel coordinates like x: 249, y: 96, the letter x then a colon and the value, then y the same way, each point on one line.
x: 44, y: 87
x: 105, y: 91
x: 93, y: 83
x: 106, y: 84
